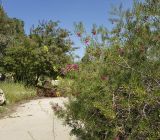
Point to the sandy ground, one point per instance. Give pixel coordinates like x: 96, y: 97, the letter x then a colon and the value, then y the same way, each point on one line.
x: 35, y: 120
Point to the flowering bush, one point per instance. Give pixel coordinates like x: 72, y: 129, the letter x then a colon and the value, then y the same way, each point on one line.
x: 69, y: 67
x: 116, y: 92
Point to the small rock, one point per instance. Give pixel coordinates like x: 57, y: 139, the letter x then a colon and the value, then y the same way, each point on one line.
x: 2, y: 97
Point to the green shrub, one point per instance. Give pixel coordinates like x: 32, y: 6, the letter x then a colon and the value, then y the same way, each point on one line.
x: 116, y: 93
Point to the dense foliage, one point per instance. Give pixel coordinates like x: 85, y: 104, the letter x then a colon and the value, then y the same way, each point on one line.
x: 42, y: 53
x: 115, y: 94
x: 11, y: 32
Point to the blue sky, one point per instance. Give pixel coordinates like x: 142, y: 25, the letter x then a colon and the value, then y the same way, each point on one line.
x: 66, y: 11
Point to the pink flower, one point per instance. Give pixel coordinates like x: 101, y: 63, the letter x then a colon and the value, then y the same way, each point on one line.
x: 70, y: 67
x: 75, y: 66
x: 86, y: 41
x: 94, y: 32
x: 78, y: 34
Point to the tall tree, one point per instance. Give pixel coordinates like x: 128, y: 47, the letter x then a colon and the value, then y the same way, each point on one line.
x: 11, y: 33
x: 42, y: 53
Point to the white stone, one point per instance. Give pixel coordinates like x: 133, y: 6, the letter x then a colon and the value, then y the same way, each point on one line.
x: 55, y: 82
x: 2, y: 97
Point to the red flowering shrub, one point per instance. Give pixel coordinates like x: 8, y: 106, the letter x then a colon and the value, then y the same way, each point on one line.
x: 116, y: 93
x: 70, y: 67
x: 70, y: 70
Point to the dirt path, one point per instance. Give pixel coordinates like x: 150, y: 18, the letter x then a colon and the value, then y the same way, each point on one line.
x: 34, y: 121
